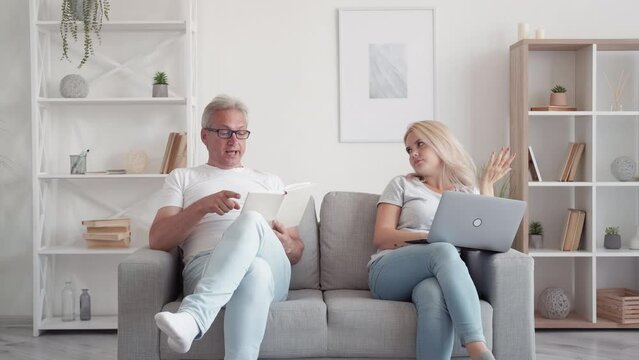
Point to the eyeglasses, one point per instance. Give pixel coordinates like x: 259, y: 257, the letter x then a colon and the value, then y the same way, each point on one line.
x: 227, y: 133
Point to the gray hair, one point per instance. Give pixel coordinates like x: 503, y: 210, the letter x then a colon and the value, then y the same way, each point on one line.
x: 223, y: 102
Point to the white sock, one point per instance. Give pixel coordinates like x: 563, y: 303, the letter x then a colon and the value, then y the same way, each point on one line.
x: 180, y: 327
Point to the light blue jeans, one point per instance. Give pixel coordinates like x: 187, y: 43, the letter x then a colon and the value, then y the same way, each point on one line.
x: 437, y: 281
x: 247, y: 271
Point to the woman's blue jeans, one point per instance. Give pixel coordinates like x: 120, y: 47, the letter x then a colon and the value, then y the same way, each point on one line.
x: 437, y: 281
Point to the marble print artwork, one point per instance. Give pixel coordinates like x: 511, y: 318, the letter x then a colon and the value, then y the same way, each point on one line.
x: 387, y: 71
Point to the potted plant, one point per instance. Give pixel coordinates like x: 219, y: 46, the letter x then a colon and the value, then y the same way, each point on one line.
x: 558, y: 96
x: 536, y: 235
x: 612, y: 240
x: 160, y: 84
x: 90, y: 13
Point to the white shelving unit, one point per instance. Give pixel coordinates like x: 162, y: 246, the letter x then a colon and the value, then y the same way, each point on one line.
x: 118, y: 115
x: 582, y: 67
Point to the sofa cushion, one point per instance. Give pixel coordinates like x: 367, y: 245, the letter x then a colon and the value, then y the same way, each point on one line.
x: 361, y: 326
x: 347, y: 223
x: 295, y: 328
x: 305, y: 274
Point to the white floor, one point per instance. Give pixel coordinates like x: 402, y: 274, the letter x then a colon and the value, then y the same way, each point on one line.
x: 16, y: 343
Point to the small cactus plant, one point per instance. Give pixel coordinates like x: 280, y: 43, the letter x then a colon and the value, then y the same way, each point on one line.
x: 535, y: 228
x: 160, y: 78
x: 558, y: 89
x: 612, y: 230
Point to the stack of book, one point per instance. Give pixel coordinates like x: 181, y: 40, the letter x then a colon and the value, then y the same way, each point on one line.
x: 573, y: 230
x: 107, y: 233
x: 174, y: 153
x: 569, y: 170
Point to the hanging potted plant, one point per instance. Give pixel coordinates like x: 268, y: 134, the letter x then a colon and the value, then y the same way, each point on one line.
x: 558, y: 96
x: 160, y: 85
x: 90, y: 14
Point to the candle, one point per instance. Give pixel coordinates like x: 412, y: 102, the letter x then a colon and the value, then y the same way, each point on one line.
x: 540, y: 34
x: 523, y: 29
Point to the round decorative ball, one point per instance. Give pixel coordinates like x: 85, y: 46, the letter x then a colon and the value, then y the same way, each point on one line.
x: 554, y: 303
x: 74, y: 86
x: 623, y: 168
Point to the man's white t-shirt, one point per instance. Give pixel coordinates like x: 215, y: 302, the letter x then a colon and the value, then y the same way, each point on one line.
x: 184, y: 186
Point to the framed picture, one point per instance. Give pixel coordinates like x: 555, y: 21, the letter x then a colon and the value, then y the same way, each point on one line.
x: 386, y: 72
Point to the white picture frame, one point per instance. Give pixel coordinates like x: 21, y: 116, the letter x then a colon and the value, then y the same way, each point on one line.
x: 386, y: 71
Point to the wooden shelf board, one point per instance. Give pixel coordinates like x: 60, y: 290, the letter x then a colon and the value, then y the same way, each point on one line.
x: 574, y: 321
x: 602, y: 252
x: 617, y: 113
x: 617, y: 183
x: 101, y: 176
x: 578, y: 44
x: 54, y: 25
x: 108, y: 322
x: 83, y: 250
x: 560, y: 113
x: 559, y: 183
x: 113, y: 101
x: 558, y: 253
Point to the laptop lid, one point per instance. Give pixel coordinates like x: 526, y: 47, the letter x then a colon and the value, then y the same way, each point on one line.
x: 476, y: 221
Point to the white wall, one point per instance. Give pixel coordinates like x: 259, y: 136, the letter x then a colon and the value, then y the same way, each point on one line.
x: 280, y: 56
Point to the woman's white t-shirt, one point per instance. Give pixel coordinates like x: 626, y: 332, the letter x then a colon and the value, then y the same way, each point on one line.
x: 184, y: 186
x: 418, y: 203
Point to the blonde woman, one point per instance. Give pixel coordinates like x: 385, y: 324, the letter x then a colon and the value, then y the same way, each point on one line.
x: 432, y: 276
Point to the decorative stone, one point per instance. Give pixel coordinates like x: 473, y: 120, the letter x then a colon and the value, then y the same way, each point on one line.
x: 623, y: 168
x: 137, y: 161
x: 74, y: 86
x: 554, y: 303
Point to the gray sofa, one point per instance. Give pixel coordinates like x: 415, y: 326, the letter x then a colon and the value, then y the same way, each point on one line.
x: 329, y: 313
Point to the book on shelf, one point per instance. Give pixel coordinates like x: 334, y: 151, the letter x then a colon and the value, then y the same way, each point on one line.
x: 573, y: 230
x: 572, y: 162
x: 98, y: 244
x: 113, y: 236
x: 107, y: 233
x: 532, y: 165
x: 288, y: 207
x: 553, y: 108
x: 121, y: 222
x: 174, y: 153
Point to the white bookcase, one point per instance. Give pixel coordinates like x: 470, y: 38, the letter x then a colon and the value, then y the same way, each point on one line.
x: 581, y: 66
x: 118, y: 116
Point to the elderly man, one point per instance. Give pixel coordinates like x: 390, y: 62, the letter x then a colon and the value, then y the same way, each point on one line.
x: 231, y: 260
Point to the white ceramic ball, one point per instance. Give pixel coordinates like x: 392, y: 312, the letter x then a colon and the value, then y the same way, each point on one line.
x: 623, y: 168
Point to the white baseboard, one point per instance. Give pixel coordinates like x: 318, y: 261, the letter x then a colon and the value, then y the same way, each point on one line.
x: 16, y: 321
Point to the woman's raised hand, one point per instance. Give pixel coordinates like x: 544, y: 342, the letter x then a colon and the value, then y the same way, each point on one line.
x: 496, y: 168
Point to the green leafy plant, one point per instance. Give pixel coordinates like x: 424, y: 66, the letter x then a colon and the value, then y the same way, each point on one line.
x: 160, y: 78
x: 558, y: 89
x: 535, y: 228
x: 612, y: 230
x: 93, y: 11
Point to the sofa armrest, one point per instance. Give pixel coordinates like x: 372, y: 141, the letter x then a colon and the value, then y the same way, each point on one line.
x: 147, y: 280
x: 506, y: 281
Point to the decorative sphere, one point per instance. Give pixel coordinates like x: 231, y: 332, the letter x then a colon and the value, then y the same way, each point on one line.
x: 623, y: 168
x: 74, y: 86
x: 554, y: 303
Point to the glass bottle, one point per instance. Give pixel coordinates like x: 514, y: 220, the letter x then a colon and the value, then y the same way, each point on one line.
x: 68, y: 303
x: 85, y: 305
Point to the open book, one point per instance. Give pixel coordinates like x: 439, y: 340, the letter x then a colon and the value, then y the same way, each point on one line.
x: 287, y: 208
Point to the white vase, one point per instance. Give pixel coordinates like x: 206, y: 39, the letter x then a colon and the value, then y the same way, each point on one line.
x: 634, y: 242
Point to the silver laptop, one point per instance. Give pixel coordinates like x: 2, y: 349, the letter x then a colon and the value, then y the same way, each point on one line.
x: 476, y: 221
